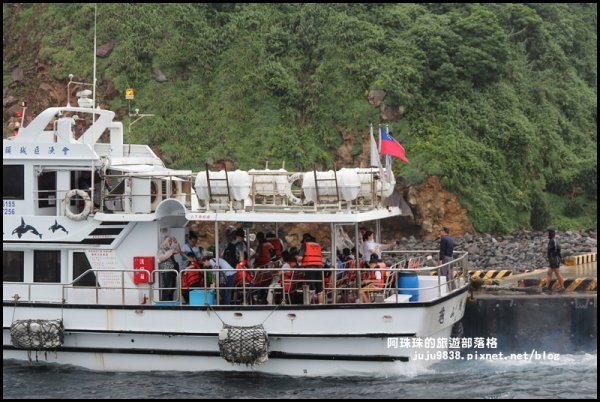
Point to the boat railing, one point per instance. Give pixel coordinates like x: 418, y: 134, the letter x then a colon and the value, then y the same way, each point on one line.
x: 72, y: 292
x: 142, y: 192
x: 284, y: 282
x: 116, y: 287
x: 33, y: 291
x: 273, y: 285
x: 51, y: 202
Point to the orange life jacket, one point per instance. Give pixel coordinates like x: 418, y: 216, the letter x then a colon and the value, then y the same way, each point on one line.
x: 192, y: 278
x: 263, y: 257
x: 239, y: 275
x: 276, y: 243
x: 312, y: 255
x: 291, y: 277
x: 371, y: 274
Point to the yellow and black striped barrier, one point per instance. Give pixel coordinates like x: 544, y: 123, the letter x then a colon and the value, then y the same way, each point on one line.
x: 580, y: 259
x: 571, y: 285
x: 487, y: 277
x: 491, y: 274
x: 485, y: 274
x: 581, y: 284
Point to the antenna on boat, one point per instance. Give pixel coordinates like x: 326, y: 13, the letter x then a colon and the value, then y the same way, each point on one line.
x: 83, y: 100
x: 129, y: 92
x: 83, y: 95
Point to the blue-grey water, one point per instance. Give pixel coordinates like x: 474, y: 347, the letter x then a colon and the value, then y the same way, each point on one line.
x: 572, y: 376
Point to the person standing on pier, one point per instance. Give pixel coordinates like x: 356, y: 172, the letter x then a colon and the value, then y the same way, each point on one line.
x: 446, y: 254
x: 554, y: 259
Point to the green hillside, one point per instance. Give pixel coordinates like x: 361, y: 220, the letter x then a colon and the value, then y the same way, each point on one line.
x: 498, y: 100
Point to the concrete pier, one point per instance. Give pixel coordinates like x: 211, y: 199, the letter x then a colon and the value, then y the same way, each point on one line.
x: 524, y: 319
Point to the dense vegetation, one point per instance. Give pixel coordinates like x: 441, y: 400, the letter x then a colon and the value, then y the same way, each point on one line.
x: 500, y: 100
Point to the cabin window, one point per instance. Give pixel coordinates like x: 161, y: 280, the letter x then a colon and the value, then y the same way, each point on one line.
x: 80, y: 265
x: 47, y: 190
x: 46, y: 266
x: 13, y: 187
x: 81, y: 179
x: 12, y: 266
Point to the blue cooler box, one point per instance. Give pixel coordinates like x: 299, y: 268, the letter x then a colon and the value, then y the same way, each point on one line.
x: 202, y: 297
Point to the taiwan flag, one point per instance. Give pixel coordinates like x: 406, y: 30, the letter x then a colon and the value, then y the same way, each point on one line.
x: 389, y: 146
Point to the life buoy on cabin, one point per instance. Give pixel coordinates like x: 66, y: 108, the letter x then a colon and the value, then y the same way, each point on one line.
x: 87, y: 205
x: 293, y: 199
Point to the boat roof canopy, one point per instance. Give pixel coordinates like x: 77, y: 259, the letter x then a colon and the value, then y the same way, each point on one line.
x: 295, y: 216
x: 149, y: 170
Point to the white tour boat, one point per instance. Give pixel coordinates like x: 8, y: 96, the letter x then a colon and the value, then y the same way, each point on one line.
x: 84, y: 216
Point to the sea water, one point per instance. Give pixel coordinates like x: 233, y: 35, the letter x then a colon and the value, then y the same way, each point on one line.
x: 569, y: 376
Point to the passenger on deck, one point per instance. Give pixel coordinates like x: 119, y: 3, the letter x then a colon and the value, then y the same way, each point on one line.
x: 190, y: 278
x: 374, y: 278
x: 370, y: 246
x: 339, y: 260
x: 167, y: 280
x: 236, y: 249
x: 347, y: 260
x: 310, y: 256
x: 277, y: 244
x: 265, y: 252
x: 242, y: 274
x: 191, y: 246
x: 192, y: 253
x: 290, y: 274
x: 288, y: 261
x: 227, y: 276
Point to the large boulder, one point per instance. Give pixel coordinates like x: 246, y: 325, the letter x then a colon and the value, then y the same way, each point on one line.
x: 376, y: 96
x: 106, y: 49
x: 159, y: 76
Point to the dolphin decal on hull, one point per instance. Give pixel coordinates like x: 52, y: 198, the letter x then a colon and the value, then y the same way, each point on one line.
x: 23, y: 228
x: 56, y: 226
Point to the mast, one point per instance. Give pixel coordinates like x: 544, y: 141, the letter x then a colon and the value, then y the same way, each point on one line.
x: 94, y: 78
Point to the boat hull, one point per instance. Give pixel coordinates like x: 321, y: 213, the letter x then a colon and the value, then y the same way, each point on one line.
x: 303, y: 340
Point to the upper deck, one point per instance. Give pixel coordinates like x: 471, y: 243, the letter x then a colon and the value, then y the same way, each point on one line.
x: 78, y: 148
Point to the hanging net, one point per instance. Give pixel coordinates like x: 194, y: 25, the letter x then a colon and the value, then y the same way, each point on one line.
x: 37, y: 334
x: 248, y: 345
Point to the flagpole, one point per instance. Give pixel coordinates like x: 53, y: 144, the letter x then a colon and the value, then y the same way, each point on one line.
x: 388, y: 159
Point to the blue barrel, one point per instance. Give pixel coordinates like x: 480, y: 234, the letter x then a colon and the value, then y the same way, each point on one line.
x: 201, y: 297
x: 409, y: 280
